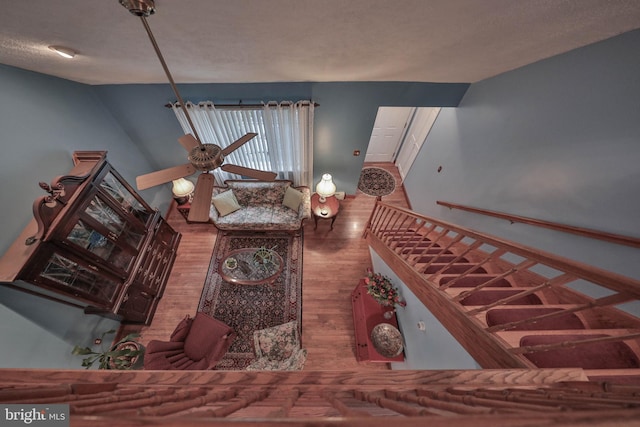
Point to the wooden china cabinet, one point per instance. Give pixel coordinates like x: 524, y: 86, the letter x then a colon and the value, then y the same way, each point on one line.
x: 94, y: 243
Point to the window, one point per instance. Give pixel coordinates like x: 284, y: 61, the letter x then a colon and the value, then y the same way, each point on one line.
x: 284, y: 143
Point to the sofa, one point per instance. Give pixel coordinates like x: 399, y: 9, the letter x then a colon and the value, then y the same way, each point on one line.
x: 260, y: 205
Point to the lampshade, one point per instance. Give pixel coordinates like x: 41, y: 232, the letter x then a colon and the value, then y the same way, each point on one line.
x: 326, y: 187
x: 182, y: 187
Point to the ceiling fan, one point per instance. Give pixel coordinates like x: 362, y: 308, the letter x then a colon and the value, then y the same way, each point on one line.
x: 202, y: 157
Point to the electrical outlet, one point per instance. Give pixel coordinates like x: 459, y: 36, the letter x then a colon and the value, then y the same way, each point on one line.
x: 421, y: 326
x: 340, y: 195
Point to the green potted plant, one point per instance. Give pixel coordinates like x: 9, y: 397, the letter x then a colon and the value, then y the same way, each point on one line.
x: 127, y: 353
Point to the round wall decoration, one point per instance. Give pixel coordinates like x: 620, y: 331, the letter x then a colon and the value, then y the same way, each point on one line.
x: 376, y: 182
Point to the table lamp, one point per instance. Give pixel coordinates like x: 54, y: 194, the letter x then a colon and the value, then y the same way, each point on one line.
x: 182, y: 189
x: 325, y: 188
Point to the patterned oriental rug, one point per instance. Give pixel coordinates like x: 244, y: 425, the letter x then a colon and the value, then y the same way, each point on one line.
x: 376, y: 182
x: 247, y: 308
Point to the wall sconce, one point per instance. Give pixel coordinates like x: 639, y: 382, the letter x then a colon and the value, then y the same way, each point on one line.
x: 182, y: 190
x: 325, y: 188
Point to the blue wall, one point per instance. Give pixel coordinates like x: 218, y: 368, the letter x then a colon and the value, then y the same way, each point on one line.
x: 557, y: 140
x: 343, y: 122
x: 42, y: 121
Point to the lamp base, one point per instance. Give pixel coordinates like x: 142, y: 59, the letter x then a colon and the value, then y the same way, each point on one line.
x: 322, y: 199
x: 181, y: 200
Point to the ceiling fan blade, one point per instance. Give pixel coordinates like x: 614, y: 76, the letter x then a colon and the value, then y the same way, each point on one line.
x: 253, y: 173
x: 238, y: 143
x: 188, y: 141
x: 165, y: 175
x: 199, y: 211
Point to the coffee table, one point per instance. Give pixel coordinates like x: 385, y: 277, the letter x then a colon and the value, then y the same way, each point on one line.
x: 246, y: 271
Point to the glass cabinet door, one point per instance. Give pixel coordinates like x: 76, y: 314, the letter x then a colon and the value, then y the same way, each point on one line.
x: 78, y: 278
x: 117, y: 227
x: 88, y: 238
x: 124, y: 197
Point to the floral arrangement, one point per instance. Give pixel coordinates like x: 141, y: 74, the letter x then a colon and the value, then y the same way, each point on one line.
x: 381, y: 289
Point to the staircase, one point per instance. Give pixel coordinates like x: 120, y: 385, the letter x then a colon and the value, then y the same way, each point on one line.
x: 509, y: 305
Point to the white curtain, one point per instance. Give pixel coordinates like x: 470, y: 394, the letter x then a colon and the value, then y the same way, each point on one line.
x: 284, y: 143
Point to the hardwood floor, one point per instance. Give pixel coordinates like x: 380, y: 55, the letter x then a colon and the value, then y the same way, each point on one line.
x: 334, y: 261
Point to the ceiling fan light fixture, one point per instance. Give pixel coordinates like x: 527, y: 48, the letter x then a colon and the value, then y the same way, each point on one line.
x: 139, y: 7
x: 206, y: 157
x: 65, y: 52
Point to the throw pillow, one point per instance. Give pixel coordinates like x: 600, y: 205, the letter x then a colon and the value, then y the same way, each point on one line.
x: 292, y: 198
x: 225, y: 203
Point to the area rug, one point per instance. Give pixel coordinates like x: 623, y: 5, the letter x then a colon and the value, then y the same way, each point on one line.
x: 247, y: 308
x: 376, y: 182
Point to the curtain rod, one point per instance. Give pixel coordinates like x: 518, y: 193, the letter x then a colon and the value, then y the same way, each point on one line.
x: 315, y: 104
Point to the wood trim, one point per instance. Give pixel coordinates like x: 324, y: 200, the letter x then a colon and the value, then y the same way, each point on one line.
x: 336, y: 379
x: 580, y: 231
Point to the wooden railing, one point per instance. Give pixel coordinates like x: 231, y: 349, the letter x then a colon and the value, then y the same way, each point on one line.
x: 479, y: 398
x: 580, y: 231
x: 433, y: 257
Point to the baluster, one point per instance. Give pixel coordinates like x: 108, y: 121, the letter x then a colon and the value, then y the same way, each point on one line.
x: 244, y: 399
x: 341, y: 407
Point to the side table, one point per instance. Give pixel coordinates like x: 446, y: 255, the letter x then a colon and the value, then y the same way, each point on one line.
x: 184, y: 210
x: 324, y: 210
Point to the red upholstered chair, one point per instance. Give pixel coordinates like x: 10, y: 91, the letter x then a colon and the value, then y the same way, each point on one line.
x: 196, y: 344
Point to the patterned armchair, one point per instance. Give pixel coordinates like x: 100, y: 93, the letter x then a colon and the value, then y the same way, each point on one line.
x: 278, y: 349
x: 196, y: 344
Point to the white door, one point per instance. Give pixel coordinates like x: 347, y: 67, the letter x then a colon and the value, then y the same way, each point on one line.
x: 387, y: 133
x: 417, y: 133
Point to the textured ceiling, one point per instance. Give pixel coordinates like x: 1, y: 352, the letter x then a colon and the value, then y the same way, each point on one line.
x: 222, y: 41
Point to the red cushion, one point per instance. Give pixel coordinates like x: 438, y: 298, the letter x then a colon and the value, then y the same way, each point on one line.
x: 507, y: 315
x: 205, y: 334
x: 182, y: 330
x: 598, y: 355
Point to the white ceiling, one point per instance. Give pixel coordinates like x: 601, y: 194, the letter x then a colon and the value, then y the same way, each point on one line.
x: 224, y: 41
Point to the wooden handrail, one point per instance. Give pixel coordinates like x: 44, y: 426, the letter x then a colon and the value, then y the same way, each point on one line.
x: 587, y: 272
x: 580, y: 231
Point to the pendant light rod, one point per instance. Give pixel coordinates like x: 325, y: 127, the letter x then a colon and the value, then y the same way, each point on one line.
x: 168, y: 73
